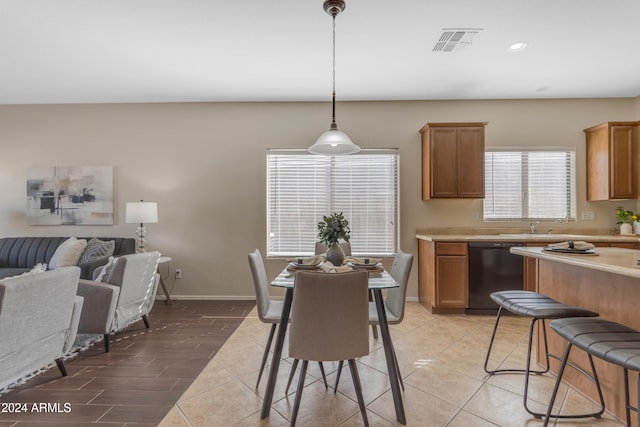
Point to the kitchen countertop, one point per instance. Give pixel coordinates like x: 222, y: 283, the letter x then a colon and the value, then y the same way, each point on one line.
x: 526, y: 237
x: 619, y: 261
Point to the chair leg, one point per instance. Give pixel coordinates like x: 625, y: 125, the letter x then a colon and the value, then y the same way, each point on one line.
x: 266, y: 352
x: 324, y: 377
x: 63, y: 369
x: 106, y: 342
x: 358, y: 387
x: 296, y: 402
x: 335, y: 388
x: 293, y: 371
x: 291, y: 374
x: 145, y: 319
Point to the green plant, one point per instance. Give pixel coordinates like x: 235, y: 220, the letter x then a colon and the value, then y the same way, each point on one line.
x: 624, y: 215
x: 333, y: 228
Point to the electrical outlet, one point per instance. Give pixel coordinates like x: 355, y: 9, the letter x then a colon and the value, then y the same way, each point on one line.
x: 475, y: 215
x: 178, y: 273
x: 588, y: 216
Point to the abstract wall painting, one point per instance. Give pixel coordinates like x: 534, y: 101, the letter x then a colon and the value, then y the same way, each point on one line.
x: 72, y: 195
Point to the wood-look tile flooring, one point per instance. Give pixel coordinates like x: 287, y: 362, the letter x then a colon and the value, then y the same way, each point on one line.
x: 143, y: 375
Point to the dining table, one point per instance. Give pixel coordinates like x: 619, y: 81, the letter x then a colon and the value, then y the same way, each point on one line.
x: 379, y: 280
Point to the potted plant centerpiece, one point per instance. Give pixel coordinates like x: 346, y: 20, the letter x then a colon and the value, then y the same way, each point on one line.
x: 330, y: 230
x: 625, y: 218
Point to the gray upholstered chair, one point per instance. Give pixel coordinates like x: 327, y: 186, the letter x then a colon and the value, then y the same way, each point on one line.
x: 330, y: 322
x: 126, y: 296
x: 269, y: 311
x: 394, y: 302
x: 39, y: 316
x: 321, y: 248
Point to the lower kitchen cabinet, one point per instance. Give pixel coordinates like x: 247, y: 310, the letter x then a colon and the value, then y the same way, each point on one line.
x: 443, y: 277
x: 443, y: 273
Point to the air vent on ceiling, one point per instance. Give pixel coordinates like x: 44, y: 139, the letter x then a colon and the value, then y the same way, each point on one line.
x: 455, y: 39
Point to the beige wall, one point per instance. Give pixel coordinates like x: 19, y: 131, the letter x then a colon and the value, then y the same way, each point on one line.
x: 205, y: 166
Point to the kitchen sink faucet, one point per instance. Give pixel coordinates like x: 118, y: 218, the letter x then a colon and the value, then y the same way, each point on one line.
x: 532, y: 226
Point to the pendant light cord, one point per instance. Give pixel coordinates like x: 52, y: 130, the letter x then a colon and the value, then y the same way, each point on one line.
x: 333, y: 121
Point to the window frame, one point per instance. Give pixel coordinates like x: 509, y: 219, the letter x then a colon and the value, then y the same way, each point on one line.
x: 570, y: 195
x: 306, y: 243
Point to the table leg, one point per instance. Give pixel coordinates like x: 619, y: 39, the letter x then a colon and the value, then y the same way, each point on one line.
x: 277, y: 354
x: 391, y: 361
x: 167, y: 298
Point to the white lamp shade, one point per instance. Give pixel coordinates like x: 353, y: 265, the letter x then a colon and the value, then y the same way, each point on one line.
x: 334, y: 143
x: 141, y: 212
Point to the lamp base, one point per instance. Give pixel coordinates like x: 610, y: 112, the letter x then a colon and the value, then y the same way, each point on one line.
x: 141, y: 241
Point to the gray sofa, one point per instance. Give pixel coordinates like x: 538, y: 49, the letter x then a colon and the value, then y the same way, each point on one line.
x: 20, y: 254
x: 39, y: 315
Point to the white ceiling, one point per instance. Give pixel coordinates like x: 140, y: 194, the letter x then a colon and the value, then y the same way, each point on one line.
x: 106, y: 51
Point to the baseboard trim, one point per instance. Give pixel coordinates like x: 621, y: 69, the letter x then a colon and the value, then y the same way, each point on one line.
x: 232, y: 298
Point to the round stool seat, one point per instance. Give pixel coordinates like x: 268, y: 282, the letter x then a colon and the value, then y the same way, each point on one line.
x: 609, y: 341
x: 533, y: 304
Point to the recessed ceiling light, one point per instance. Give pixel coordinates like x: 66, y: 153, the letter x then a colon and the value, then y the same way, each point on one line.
x: 517, y: 47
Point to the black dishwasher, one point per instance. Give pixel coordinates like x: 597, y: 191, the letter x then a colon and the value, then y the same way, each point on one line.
x: 492, y: 267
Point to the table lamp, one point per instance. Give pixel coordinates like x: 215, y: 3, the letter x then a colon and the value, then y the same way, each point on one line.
x: 141, y: 212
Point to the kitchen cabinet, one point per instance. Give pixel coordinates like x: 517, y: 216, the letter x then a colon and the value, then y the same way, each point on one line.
x: 452, y: 160
x: 612, y: 151
x: 443, y: 279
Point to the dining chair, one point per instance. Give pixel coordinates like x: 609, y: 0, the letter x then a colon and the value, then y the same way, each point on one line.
x: 394, y: 302
x: 321, y: 248
x: 330, y: 322
x: 269, y: 311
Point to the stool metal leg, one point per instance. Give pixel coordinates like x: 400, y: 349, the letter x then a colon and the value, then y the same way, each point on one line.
x: 528, y: 371
x: 563, y: 364
x: 493, y: 336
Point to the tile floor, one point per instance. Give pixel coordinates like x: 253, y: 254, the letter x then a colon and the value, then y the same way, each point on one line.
x: 181, y: 361
x: 441, y: 360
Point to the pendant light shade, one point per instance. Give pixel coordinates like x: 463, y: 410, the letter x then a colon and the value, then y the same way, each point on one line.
x: 334, y: 142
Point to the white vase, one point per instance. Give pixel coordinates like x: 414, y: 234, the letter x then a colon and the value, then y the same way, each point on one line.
x: 335, y: 255
x: 626, y: 228
x: 636, y: 227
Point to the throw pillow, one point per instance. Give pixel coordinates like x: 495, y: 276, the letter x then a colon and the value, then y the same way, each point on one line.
x: 96, y: 249
x: 103, y: 276
x: 68, y: 253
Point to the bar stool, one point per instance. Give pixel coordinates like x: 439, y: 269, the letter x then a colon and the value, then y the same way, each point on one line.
x: 606, y: 340
x: 540, y: 308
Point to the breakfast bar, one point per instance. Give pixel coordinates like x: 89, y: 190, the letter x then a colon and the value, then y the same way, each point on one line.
x: 607, y: 282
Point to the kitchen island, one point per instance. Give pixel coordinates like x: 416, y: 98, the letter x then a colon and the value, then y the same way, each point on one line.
x: 608, y: 283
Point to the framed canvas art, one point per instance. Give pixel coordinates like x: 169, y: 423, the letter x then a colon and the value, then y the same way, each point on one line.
x: 70, y: 195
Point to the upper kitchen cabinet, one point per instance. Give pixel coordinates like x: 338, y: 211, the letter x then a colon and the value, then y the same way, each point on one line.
x: 612, y: 171
x: 452, y: 160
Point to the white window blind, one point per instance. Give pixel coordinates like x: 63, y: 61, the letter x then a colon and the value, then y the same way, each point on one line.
x: 530, y: 185
x: 301, y: 188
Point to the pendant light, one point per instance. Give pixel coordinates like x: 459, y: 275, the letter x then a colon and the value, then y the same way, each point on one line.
x: 334, y: 142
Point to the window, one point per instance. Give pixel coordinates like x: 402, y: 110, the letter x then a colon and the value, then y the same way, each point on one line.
x: 530, y: 185
x: 302, y: 187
